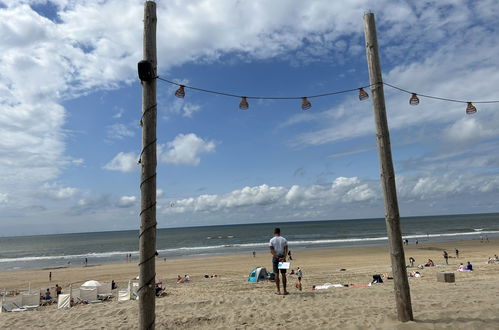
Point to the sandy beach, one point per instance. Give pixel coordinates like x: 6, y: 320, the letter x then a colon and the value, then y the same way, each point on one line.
x: 230, y: 302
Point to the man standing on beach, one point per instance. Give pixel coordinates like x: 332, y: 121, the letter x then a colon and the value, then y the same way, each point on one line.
x: 446, y: 257
x: 279, y: 249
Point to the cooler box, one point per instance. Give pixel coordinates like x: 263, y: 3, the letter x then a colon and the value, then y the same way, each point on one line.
x: 446, y: 277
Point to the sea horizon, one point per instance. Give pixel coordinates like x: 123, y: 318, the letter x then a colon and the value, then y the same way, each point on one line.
x: 71, y: 249
x: 245, y: 224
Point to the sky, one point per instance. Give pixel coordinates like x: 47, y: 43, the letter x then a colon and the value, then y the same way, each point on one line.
x: 70, y: 106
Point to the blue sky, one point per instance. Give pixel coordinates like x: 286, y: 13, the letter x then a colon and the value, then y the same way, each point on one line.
x: 70, y: 105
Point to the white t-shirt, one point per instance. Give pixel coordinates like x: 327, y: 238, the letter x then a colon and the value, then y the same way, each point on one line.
x: 279, y: 243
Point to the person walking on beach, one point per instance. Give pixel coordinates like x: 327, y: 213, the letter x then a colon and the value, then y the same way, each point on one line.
x: 446, y: 257
x: 50, y: 276
x: 457, y: 253
x: 412, y: 261
x: 289, y: 255
x: 279, y: 249
x: 254, y: 254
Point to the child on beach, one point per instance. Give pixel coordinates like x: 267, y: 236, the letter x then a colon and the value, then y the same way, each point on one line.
x: 299, y: 273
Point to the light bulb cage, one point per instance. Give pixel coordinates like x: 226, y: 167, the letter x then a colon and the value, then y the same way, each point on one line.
x: 470, y: 109
x: 363, y: 94
x: 414, y: 100
x: 305, y: 103
x: 244, y: 105
x: 180, y: 93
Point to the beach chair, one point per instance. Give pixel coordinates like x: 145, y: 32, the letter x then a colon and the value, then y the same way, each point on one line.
x: 17, y: 308
x: 8, y: 307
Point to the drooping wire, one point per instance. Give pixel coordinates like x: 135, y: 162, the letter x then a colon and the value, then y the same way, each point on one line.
x: 436, y: 97
x: 263, y: 97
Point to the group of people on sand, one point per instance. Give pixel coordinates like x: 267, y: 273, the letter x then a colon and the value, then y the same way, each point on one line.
x: 185, y: 279
x: 467, y: 268
x: 493, y: 259
x: 47, y: 296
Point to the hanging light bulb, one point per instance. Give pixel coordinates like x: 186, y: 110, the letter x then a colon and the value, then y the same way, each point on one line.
x: 244, y: 105
x: 363, y: 94
x: 470, y: 109
x: 305, y: 104
x: 180, y: 93
x: 414, y: 100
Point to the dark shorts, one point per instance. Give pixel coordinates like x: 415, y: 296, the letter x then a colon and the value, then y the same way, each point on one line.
x: 275, y: 265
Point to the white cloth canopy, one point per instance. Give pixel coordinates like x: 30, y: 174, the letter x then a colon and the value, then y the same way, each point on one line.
x: 91, y: 284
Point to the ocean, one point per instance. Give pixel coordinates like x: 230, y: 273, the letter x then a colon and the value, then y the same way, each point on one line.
x: 70, y: 250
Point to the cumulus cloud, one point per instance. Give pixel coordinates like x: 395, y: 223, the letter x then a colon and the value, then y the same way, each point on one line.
x: 186, y: 149
x: 123, y: 162
x: 342, y: 190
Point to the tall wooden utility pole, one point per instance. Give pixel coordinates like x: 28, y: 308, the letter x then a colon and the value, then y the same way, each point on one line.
x: 392, y: 216
x: 147, y: 238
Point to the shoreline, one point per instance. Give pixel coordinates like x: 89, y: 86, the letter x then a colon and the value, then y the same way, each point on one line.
x: 123, y: 271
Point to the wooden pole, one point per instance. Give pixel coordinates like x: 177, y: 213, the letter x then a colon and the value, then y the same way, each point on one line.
x: 392, y: 216
x: 147, y: 237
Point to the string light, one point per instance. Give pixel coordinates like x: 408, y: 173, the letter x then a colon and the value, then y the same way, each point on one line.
x: 470, y: 109
x: 414, y: 100
x: 363, y: 94
x: 244, y: 105
x: 305, y: 104
x: 180, y: 93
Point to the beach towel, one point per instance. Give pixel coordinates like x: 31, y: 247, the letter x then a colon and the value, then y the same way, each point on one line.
x: 326, y: 286
x: 283, y: 265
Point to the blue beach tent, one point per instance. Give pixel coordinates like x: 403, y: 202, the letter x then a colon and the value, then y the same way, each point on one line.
x: 258, y: 274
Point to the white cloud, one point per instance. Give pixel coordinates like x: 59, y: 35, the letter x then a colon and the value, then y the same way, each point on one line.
x: 342, y: 191
x: 123, y: 162
x: 119, y: 113
x: 189, y: 109
x: 4, y: 197
x: 186, y: 149
x: 56, y: 191
x: 119, y: 131
x: 127, y: 201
